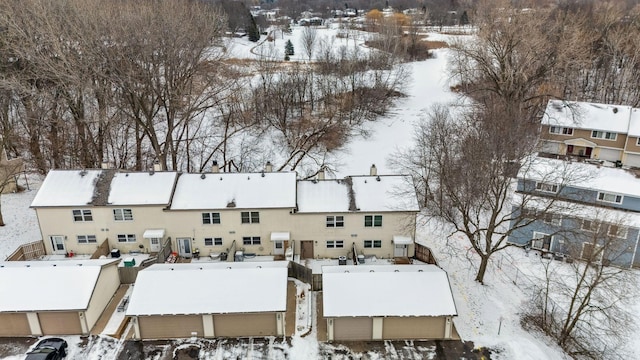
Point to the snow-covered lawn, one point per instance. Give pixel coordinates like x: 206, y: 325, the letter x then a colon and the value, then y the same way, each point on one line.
x: 21, y: 221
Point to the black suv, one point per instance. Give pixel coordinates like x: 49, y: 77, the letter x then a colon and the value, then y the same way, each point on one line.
x: 48, y: 349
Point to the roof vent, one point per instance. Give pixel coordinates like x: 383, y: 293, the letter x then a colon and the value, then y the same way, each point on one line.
x: 615, y: 110
x: 248, y: 177
x: 202, y: 176
x: 83, y: 173
x: 79, y: 264
x: 377, y: 178
x: 419, y: 270
x: 262, y: 174
x: 231, y: 204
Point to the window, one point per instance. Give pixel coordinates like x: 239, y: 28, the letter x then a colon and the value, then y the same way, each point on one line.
x: 122, y: 215
x: 551, y: 218
x: 591, y: 253
x: 560, y: 130
x: 608, y: 197
x: 604, y: 135
x: 278, y: 244
x: 617, y: 231
x: 371, y: 244
x: 335, y: 244
x: 638, y: 141
x: 589, y: 225
x: 250, y: 217
x: 372, y: 220
x: 126, y: 238
x: 86, y: 239
x: 210, y: 218
x: 547, y: 187
x: 335, y: 221
x: 528, y: 213
x: 213, y: 241
x: 541, y: 241
x: 251, y: 240
x: 82, y: 215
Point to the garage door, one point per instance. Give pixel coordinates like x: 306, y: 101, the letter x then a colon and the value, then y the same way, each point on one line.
x: 632, y: 160
x: 14, y: 325
x: 169, y: 327
x: 353, y: 329
x: 413, y: 328
x: 60, y: 323
x: 245, y: 325
x: 609, y: 154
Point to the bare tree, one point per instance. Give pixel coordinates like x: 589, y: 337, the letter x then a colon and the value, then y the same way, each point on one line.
x: 585, y: 305
x: 9, y: 171
x: 309, y: 40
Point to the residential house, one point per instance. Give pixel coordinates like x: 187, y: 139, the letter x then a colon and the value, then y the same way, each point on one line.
x: 370, y: 213
x: 392, y: 302
x: 54, y: 297
x: 212, y: 213
x: 592, y: 131
x: 584, y: 204
x: 79, y: 209
x: 224, y: 212
x: 209, y: 300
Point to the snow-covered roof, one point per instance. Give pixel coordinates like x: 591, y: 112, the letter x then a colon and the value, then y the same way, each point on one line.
x: 67, y: 188
x: 323, y: 196
x: 235, y: 190
x: 48, y: 285
x: 215, y: 288
x: 581, y: 175
x: 634, y: 122
x: 583, y: 115
x: 392, y: 290
x: 384, y: 193
x: 153, y: 234
x: 142, y: 188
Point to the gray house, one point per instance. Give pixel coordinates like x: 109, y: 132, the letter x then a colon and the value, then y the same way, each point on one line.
x: 585, y: 210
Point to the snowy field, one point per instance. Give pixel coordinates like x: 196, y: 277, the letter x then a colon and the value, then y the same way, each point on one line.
x: 488, y: 315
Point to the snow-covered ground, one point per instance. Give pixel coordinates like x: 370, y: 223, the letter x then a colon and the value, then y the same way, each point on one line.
x: 489, y: 315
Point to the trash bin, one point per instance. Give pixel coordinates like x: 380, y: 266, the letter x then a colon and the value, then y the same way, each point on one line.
x: 223, y: 256
x: 342, y: 260
x: 129, y: 262
x: 115, y: 253
x: 360, y: 259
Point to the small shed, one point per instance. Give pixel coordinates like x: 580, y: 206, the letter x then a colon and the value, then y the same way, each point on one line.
x: 387, y: 302
x: 63, y: 297
x: 209, y: 300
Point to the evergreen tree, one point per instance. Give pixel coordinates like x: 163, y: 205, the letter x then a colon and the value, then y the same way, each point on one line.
x: 254, y: 33
x: 288, y: 48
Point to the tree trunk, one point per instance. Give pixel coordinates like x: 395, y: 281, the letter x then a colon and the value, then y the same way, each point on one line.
x: 1, y: 218
x: 484, y: 261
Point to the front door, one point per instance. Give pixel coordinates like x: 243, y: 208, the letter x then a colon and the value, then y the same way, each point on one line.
x: 306, y: 249
x: 57, y: 244
x: 154, y: 244
x: 184, y: 247
x: 587, y: 152
x: 400, y: 250
x: 278, y: 248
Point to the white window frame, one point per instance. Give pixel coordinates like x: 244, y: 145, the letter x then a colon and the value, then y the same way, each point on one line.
x: 122, y: 214
x: 622, y: 232
x: 539, y: 236
x: 638, y: 141
x: 214, y: 241
x: 560, y: 130
x: 335, y: 244
x: 81, y: 215
x: 126, y: 238
x: 373, y: 219
x: 251, y: 240
x: 593, y: 228
x: 86, y: 239
x: 250, y: 217
x: 552, y: 218
x: 335, y: 221
x: 602, y: 196
x: 372, y: 244
x: 211, y: 218
x: 547, y: 187
x: 604, y: 135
